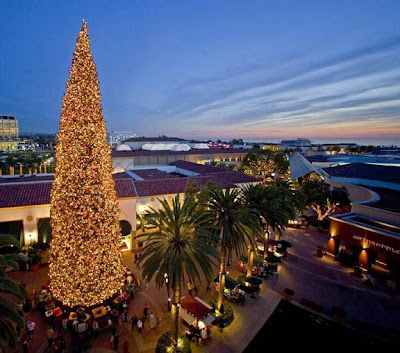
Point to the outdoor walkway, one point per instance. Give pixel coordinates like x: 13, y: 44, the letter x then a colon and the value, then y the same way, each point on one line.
x: 322, y: 281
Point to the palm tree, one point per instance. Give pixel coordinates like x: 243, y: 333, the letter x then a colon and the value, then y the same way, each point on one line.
x: 233, y: 221
x: 254, y: 196
x: 10, y: 291
x: 293, y: 195
x: 272, y: 210
x: 181, y: 250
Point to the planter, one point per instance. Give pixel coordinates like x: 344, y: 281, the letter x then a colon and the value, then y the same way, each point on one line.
x: 320, y: 253
x: 34, y: 268
x: 288, y: 294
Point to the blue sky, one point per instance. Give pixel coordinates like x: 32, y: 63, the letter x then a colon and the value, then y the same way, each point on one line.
x: 201, y: 69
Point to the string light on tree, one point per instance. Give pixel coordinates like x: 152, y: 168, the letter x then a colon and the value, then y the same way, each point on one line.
x: 85, y: 260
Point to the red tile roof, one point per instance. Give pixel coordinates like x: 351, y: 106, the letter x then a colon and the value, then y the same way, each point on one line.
x: 36, y: 191
x: 174, y: 186
x: 25, y: 194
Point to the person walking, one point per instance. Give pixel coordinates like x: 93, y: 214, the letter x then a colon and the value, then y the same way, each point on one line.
x: 158, y: 324
x: 134, y: 321
x: 143, y: 320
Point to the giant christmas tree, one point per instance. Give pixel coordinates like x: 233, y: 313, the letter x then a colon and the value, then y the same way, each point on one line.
x: 85, y: 260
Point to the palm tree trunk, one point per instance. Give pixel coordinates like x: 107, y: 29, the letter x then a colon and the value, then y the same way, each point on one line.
x: 250, y: 261
x: 222, y: 276
x: 176, y: 298
x: 266, y: 241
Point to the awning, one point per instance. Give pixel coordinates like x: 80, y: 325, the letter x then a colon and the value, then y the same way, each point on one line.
x: 194, y: 308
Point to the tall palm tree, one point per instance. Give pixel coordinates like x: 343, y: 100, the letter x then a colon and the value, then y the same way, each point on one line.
x: 10, y: 292
x: 233, y: 221
x: 273, y: 212
x: 254, y: 196
x: 181, y: 249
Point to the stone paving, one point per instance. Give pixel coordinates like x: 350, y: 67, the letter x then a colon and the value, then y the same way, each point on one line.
x: 321, y: 280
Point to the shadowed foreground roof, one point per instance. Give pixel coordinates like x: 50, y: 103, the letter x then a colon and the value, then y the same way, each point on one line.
x: 384, y: 173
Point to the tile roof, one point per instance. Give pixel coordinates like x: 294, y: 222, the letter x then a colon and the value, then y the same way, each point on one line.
x: 125, y: 188
x: 383, y: 173
x: 174, y: 186
x: 34, y: 191
x: 150, y: 174
x: 25, y: 194
x: 198, y: 168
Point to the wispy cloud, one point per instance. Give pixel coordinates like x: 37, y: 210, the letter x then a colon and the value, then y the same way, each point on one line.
x: 359, y: 90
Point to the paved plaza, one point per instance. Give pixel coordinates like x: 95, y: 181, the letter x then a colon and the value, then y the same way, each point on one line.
x: 320, y: 280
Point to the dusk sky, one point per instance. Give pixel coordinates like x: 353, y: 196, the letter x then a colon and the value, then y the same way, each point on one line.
x: 258, y: 70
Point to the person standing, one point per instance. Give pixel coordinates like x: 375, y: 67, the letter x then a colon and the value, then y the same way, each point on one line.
x: 116, y: 341
x: 190, y: 288
x: 145, y: 310
x: 95, y: 328
x: 50, y: 336
x: 31, y: 328
x: 152, y: 320
x: 125, y: 347
x: 140, y: 325
x: 25, y: 347
x: 203, y: 335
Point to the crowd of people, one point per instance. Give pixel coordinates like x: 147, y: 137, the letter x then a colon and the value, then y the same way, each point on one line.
x: 198, y: 332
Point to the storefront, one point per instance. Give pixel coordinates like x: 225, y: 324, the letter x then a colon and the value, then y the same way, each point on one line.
x: 373, y: 244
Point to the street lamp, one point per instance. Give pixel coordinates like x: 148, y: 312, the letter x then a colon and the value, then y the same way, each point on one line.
x: 167, y: 284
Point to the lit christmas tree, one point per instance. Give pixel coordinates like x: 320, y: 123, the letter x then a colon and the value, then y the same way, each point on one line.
x: 85, y: 260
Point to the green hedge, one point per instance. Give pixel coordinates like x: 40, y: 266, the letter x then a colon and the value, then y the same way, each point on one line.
x: 227, y: 317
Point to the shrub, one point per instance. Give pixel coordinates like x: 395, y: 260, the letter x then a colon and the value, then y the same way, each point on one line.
x: 164, y: 342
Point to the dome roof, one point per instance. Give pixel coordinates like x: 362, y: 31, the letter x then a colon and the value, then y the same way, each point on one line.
x: 180, y: 147
x: 123, y: 147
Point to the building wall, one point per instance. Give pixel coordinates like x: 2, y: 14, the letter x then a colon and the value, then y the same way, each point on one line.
x: 352, y: 236
x: 29, y: 215
x: 128, y: 162
x: 356, y: 193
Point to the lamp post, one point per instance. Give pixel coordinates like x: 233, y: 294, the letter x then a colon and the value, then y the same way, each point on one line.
x: 167, y: 284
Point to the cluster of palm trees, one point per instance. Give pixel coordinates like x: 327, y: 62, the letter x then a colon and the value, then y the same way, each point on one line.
x: 207, y: 227
x: 11, y: 315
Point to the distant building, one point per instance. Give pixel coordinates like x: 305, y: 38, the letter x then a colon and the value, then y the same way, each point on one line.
x: 300, y: 145
x: 8, y: 127
x: 9, y: 133
x: 115, y: 138
x: 275, y: 147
